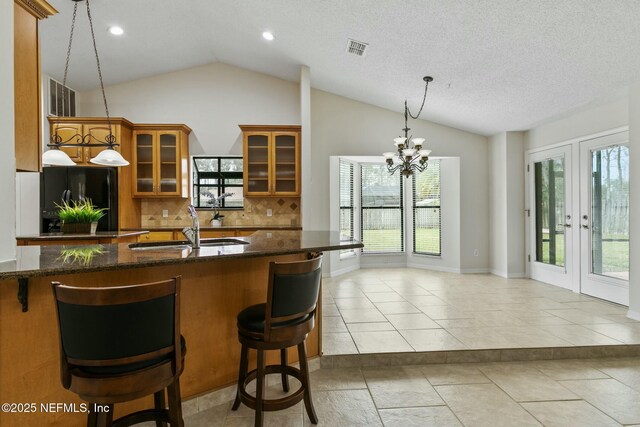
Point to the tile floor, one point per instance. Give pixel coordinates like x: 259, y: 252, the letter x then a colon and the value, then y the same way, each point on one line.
x: 586, y: 392
x: 409, y: 310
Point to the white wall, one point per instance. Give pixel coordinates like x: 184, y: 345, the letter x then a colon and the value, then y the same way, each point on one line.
x: 344, y: 127
x: 498, y: 204
x: 7, y: 153
x: 634, y: 200
x: 585, y: 122
x: 212, y: 99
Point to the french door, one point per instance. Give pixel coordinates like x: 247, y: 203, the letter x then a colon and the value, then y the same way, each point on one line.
x: 604, y: 217
x: 551, y: 216
x: 579, y: 219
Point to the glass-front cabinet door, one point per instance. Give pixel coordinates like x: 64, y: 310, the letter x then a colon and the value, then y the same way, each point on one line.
x: 144, y: 171
x: 168, y: 162
x: 285, y: 164
x: 257, y: 163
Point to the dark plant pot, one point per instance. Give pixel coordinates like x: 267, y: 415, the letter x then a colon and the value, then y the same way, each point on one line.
x: 76, y: 228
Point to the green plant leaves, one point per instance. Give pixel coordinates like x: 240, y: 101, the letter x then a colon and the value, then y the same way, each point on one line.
x: 79, y: 212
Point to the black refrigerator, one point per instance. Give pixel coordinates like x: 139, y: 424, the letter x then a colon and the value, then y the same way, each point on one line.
x: 76, y: 183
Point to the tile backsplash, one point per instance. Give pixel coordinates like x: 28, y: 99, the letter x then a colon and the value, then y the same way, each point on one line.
x: 286, y: 211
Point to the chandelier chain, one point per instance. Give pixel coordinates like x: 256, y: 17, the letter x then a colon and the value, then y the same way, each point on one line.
x: 73, y: 24
x: 424, y: 99
x: 95, y: 50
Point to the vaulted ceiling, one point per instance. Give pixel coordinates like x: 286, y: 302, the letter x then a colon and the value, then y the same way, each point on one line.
x: 498, y: 64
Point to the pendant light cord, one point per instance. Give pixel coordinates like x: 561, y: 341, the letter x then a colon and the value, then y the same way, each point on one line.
x: 424, y: 98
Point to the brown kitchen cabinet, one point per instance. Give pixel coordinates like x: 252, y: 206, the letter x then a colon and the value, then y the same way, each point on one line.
x: 156, y: 236
x: 27, y: 86
x: 271, y: 160
x: 160, y: 161
x: 71, y: 129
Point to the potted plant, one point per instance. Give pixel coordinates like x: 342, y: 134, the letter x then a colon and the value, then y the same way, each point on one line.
x: 216, y: 219
x: 79, y: 217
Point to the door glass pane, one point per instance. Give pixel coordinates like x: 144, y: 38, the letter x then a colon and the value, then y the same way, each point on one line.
x: 550, y: 211
x: 610, y: 212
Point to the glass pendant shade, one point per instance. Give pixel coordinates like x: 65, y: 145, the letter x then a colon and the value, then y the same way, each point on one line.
x: 388, y: 155
x: 424, y: 153
x: 109, y: 157
x: 408, y: 152
x: 418, y: 141
x: 399, y: 140
x: 56, y: 158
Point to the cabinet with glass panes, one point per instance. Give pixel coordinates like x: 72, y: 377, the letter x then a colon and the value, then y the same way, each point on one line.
x: 271, y: 160
x: 160, y: 161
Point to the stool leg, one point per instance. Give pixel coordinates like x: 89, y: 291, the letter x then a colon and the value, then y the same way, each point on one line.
x: 92, y: 417
x: 159, y: 404
x: 304, y: 368
x: 244, y: 365
x: 259, y: 388
x: 105, y: 418
x: 285, y: 377
x: 175, y: 404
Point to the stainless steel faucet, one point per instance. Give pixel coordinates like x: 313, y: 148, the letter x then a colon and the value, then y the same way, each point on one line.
x: 193, y: 233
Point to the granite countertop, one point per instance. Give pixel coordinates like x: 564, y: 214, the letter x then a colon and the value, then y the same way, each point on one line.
x: 224, y: 227
x: 82, y: 236
x: 68, y: 259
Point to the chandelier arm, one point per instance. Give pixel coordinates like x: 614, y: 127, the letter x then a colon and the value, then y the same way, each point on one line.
x: 110, y: 138
x: 424, y: 98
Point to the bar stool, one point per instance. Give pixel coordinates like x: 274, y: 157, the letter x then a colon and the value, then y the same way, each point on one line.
x: 283, y: 321
x: 119, y: 344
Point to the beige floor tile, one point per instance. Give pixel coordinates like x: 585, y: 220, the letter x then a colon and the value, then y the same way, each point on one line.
x: 344, y: 408
x: 568, y: 369
x: 356, y: 315
x: 436, y: 416
x: 628, y: 375
x: 399, y: 387
x: 412, y: 321
x: 212, y: 417
x: 396, y: 307
x: 330, y: 310
x: 457, y: 323
x: 438, y: 312
x: 368, y: 327
x: 531, y: 336
x: 447, y: 374
x: 347, y: 293
x: 479, y: 338
x: 271, y: 419
x: 628, y: 333
x: 373, y: 288
x: 577, y: 413
x: 339, y: 343
x: 597, y: 307
x: 380, y: 342
x: 347, y: 303
x: 526, y: 384
x: 432, y: 340
x: 615, y: 399
x: 578, y: 335
x: 333, y: 324
x: 579, y: 316
x: 425, y: 300
x: 484, y: 405
x: 384, y: 296
x: 412, y: 291
x: 545, y: 320
x: 337, y: 379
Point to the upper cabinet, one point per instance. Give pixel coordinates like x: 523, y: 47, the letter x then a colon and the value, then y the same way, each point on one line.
x: 271, y: 160
x: 71, y: 130
x: 26, y: 56
x: 161, y: 161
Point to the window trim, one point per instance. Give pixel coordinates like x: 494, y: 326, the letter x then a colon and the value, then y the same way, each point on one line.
x: 220, y: 176
x: 413, y: 214
x: 347, y: 253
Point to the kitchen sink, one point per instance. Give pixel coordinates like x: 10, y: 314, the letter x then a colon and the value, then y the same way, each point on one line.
x: 183, y: 244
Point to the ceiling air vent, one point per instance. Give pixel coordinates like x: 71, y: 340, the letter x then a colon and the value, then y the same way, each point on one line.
x: 356, y: 48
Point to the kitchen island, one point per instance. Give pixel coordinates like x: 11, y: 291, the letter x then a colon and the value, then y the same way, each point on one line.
x: 100, y: 237
x: 217, y: 282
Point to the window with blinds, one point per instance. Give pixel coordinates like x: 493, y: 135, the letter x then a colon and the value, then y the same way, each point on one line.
x: 426, y: 210
x: 346, y: 204
x: 213, y: 176
x: 381, y: 213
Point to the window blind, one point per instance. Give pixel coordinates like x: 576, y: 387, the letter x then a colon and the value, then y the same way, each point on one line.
x: 346, y: 204
x: 427, y: 237
x: 381, y: 213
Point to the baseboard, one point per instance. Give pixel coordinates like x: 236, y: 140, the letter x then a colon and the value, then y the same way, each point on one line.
x: 345, y: 270
x: 474, y: 271
x: 633, y: 315
x: 507, y: 275
x: 383, y: 265
x: 433, y: 267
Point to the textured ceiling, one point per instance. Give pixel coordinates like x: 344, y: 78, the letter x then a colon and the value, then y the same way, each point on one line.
x: 498, y: 64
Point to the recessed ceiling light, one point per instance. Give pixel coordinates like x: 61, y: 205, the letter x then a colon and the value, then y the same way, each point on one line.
x: 116, y: 31
x: 267, y: 35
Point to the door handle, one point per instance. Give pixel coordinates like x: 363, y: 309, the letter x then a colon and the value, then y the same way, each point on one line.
x: 585, y: 226
x: 567, y: 225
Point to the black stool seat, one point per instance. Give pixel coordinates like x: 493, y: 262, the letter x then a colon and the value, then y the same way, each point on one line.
x: 283, y: 321
x: 253, y: 318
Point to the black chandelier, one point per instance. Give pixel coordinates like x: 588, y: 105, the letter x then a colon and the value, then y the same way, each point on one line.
x: 410, y: 156
x: 108, y: 157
